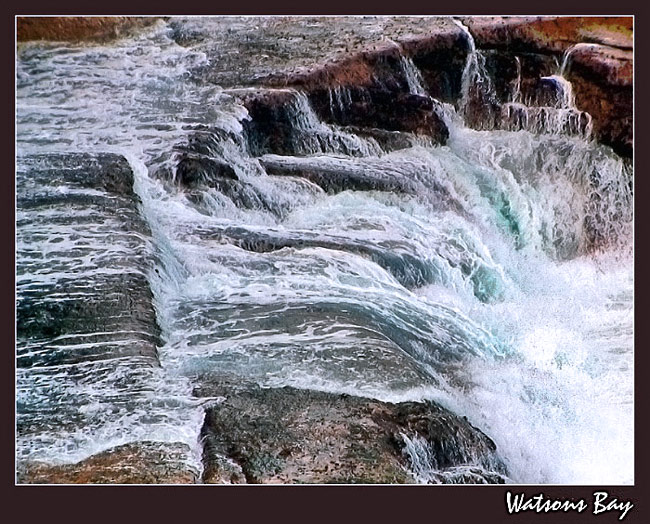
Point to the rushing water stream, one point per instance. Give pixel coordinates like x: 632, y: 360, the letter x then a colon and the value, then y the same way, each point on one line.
x: 472, y: 283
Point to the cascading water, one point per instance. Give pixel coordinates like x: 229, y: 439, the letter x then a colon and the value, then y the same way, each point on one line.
x: 313, y: 136
x: 566, y: 57
x: 475, y: 82
x: 474, y: 274
x: 516, y: 96
x: 552, y: 112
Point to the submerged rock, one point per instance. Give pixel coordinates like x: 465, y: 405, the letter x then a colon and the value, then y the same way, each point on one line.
x: 85, y: 320
x: 400, y: 259
x: 83, y: 260
x: 335, y: 177
x: 288, y: 435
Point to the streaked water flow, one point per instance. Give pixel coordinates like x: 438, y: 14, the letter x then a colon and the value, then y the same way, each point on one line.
x: 493, y: 274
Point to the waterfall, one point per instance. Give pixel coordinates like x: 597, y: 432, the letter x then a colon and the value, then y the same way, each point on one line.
x: 566, y: 56
x: 420, y: 457
x: 566, y: 99
x: 516, y: 95
x: 339, y: 99
x: 413, y: 76
x: 313, y: 136
x: 410, y: 71
x: 476, y: 83
x: 558, y: 115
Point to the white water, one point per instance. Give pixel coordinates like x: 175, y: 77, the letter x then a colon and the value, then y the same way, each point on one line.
x: 475, y: 79
x: 413, y: 76
x: 516, y: 96
x: 566, y: 57
x: 475, y: 285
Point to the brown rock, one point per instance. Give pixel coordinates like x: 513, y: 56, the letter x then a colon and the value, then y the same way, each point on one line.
x: 549, y: 34
x: 606, y: 65
x: 78, y: 28
x: 355, y: 70
x: 375, y: 90
x: 136, y: 463
x: 288, y: 435
x: 602, y: 82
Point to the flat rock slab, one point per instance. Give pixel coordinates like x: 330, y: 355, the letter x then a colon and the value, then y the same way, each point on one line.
x: 246, y: 51
x: 288, y: 435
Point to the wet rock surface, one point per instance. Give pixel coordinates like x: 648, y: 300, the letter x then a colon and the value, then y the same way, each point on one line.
x: 83, y: 261
x: 392, y: 119
x: 84, y: 303
x: 288, y: 435
x: 549, y: 34
x: 193, y: 171
x: 321, y: 116
x: 440, y: 54
x: 135, y: 463
x: 384, y: 109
